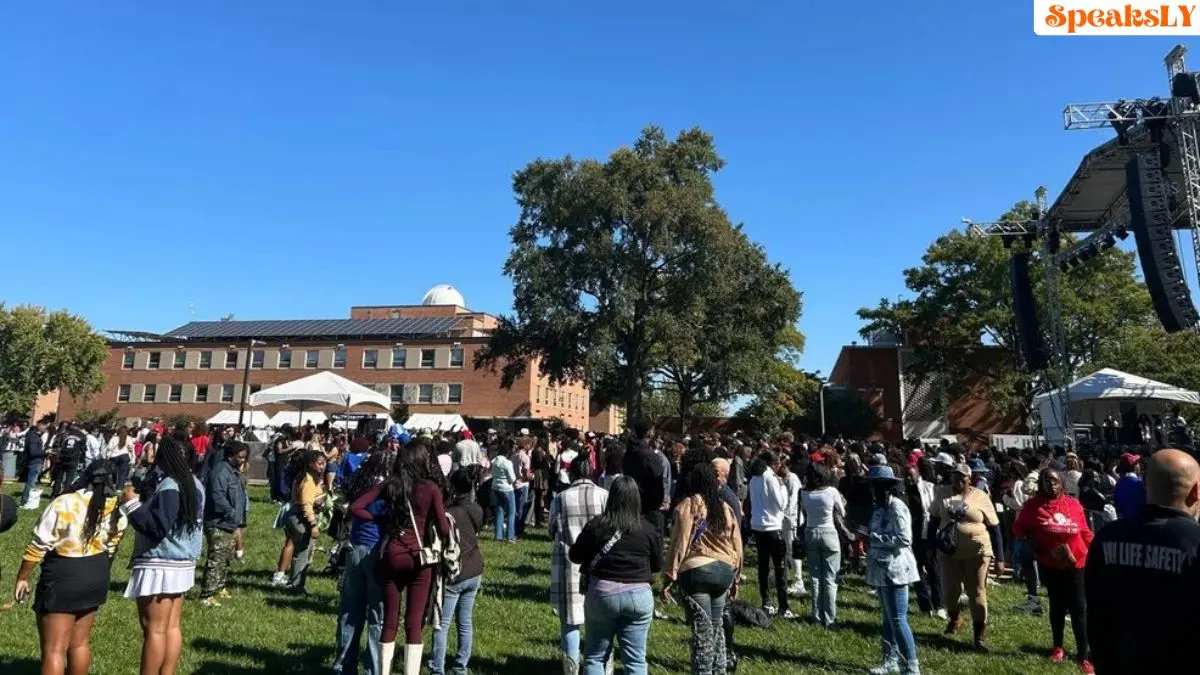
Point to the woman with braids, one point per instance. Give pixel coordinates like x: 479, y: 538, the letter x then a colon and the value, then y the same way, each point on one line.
x: 413, y: 501
x: 167, y: 515
x: 361, y: 596
x: 74, y: 540
x: 704, y: 558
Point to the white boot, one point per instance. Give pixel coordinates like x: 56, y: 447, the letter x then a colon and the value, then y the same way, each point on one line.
x: 412, y: 659
x: 569, y: 666
x: 387, y: 652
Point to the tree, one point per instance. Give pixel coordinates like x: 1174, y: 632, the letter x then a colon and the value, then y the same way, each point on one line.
x: 961, y: 299
x: 101, y: 418
x: 663, y: 403
x: 609, y: 263
x: 1149, y: 351
x: 400, y: 412
x: 783, y: 393
x: 42, y: 351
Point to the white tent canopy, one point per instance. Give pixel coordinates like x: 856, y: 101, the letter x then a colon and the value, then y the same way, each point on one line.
x: 421, y: 421
x: 252, y: 418
x: 318, y: 390
x: 1101, y: 394
x: 297, y: 418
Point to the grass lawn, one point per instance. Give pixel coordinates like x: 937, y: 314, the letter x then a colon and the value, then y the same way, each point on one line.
x: 264, y: 630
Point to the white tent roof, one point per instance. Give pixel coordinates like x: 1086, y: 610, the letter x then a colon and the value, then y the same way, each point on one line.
x: 421, y: 421
x: 297, y: 418
x: 321, y: 389
x: 1114, y: 384
x: 253, y: 418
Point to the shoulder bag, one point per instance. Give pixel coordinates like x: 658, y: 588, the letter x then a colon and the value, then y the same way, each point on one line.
x: 426, y: 555
x: 586, y: 572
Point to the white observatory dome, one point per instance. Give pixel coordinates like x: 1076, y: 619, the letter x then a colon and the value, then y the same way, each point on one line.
x: 444, y: 294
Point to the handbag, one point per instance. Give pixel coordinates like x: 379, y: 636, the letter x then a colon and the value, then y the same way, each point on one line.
x: 946, y: 538
x: 585, y: 572
x: 426, y: 555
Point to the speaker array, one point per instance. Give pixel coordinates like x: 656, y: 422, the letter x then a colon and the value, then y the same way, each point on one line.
x: 1029, y: 333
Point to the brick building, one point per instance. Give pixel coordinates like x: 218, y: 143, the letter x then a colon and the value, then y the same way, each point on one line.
x: 419, y: 355
x: 875, y: 373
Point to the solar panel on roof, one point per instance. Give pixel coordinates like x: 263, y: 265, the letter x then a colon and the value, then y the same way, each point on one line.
x: 288, y: 328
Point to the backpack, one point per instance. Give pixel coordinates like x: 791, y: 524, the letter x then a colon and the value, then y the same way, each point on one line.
x: 72, y: 449
x: 749, y: 615
x: 452, y: 551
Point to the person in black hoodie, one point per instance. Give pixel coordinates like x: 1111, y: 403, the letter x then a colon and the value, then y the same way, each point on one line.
x: 458, y: 602
x: 649, y: 471
x: 35, y: 456
x: 224, y: 513
x: 619, y: 553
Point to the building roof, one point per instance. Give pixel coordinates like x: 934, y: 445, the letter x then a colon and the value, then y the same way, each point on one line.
x: 414, y: 327
x: 444, y: 294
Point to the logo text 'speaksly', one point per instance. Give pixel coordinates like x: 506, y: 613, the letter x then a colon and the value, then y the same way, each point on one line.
x: 1114, y: 17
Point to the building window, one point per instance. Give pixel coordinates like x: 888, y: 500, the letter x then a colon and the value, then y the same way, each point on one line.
x: 123, y: 393
x: 155, y: 359
x: 230, y: 360
x: 148, y: 394
x: 255, y: 388
x: 202, y: 393
x: 176, y: 393
x: 257, y: 357
x: 397, y: 393
x: 539, y: 394
x: 179, y: 360
x: 227, y: 393
x: 456, y: 357
x: 454, y: 394
x: 285, y: 358
x: 399, y: 357
x: 127, y: 361
x: 311, y: 358
x: 425, y: 393
x: 427, y: 358
x: 205, y: 360
x: 370, y: 358
x: 339, y: 357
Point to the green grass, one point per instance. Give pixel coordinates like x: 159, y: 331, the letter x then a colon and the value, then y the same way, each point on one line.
x: 264, y: 630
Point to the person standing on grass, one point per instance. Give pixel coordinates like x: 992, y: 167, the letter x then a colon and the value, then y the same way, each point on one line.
x: 224, y: 513
x: 361, y: 597
x: 74, y: 541
x: 793, y: 526
x: 35, y: 456
x: 891, y: 569
x: 823, y: 506
x: 522, y: 467
x: 167, y: 516
x: 504, y: 478
x: 705, y: 559
x: 570, y: 510
x: 120, y: 452
x: 1056, y: 526
x: 308, y: 497
x: 620, y: 552
x: 458, y: 602
x: 768, y: 501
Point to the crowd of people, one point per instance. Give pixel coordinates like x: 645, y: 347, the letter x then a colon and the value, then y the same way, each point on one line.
x: 634, y: 522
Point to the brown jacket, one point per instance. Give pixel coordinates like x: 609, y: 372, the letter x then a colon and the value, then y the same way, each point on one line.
x: 725, y: 546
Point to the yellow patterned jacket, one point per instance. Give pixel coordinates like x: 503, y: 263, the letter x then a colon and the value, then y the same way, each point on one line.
x: 60, y: 529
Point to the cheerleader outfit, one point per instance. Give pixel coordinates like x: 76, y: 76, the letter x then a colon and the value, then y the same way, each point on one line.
x: 165, y: 550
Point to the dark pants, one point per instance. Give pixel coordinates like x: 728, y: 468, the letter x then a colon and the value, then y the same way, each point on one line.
x: 122, y: 463
x: 539, y: 499
x: 929, y: 588
x: 770, y: 557
x: 1065, y: 590
x: 64, y: 478
x: 401, y: 573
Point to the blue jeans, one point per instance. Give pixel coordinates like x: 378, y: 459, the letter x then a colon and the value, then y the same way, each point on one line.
x: 33, y: 469
x: 898, y: 644
x: 824, y: 561
x: 506, y: 512
x: 706, y: 589
x: 627, y: 616
x: 458, y: 604
x: 568, y: 638
x: 520, y: 500
x: 361, y: 607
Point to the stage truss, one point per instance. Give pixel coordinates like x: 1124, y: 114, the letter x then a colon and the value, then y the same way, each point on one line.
x: 1135, y: 121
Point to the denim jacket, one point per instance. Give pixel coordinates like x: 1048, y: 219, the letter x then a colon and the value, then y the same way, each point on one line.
x: 890, y: 560
x: 159, y: 536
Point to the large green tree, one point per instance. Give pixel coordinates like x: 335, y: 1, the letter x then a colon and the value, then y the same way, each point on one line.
x: 1149, y: 351
x: 614, y: 265
x: 961, y: 298
x: 42, y: 351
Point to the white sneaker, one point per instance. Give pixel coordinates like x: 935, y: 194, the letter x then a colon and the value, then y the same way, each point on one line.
x: 789, y: 615
x: 771, y: 610
x: 797, y: 591
x: 239, y: 554
x: 280, y: 579
x: 885, y: 669
x: 941, y: 614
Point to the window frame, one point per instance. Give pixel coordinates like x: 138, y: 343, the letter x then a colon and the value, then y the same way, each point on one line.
x: 150, y: 394
x: 232, y: 393
x: 234, y: 354
x: 285, y: 365
x: 205, y: 362
x: 154, y: 362
x: 127, y: 390
x: 258, y: 359
x: 421, y: 388
x: 432, y: 357
x: 392, y: 393
x: 374, y: 361
x: 450, y: 393
x: 316, y: 358
x: 462, y: 357
x: 178, y: 363
x: 403, y: 357
x: 339, y: 353
x: 128, y: 360
x: 175, y: 393
x: 196, y: 394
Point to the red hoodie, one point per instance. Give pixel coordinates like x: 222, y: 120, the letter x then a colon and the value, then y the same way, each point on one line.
x: 1054, y: 523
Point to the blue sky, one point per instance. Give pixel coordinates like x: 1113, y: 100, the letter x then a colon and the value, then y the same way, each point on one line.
x: 276, y: 159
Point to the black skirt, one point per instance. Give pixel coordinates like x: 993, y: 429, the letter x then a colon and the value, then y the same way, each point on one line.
x: 72, y: 585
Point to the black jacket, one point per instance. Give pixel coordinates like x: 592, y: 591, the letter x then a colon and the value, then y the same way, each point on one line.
x: 1142, y: 580
x: 635, y: 558
x: 468, y: 518
x: 34, y: 448
x: 225, y: 505
x: 645, y: 467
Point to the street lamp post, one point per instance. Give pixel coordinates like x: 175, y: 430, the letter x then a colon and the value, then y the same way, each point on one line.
x: 821, y: 397
x: 246, y: 381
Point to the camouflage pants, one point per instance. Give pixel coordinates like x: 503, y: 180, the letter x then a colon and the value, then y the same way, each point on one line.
x: 216, y: 565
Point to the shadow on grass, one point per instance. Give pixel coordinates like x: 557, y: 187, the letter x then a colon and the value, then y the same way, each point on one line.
x: 801, y: 661
x: 318, y: 604
x: 526, y: 592
x: 512, y: 665
x: 20, y: 667
x: 296, y: 659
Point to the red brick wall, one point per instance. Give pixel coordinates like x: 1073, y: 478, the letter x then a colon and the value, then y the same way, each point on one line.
x: 405, y: 311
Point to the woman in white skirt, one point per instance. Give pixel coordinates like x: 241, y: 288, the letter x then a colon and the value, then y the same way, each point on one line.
x: 167, y: 515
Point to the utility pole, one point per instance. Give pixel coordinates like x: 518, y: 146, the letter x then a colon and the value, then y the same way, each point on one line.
x: 246, y: 381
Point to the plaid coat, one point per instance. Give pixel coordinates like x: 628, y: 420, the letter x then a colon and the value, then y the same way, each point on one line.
x: 570, y: 510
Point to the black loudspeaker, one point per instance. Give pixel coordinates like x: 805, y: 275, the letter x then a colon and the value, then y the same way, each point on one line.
x: 1150, y: 220
x: 1029, y: 333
